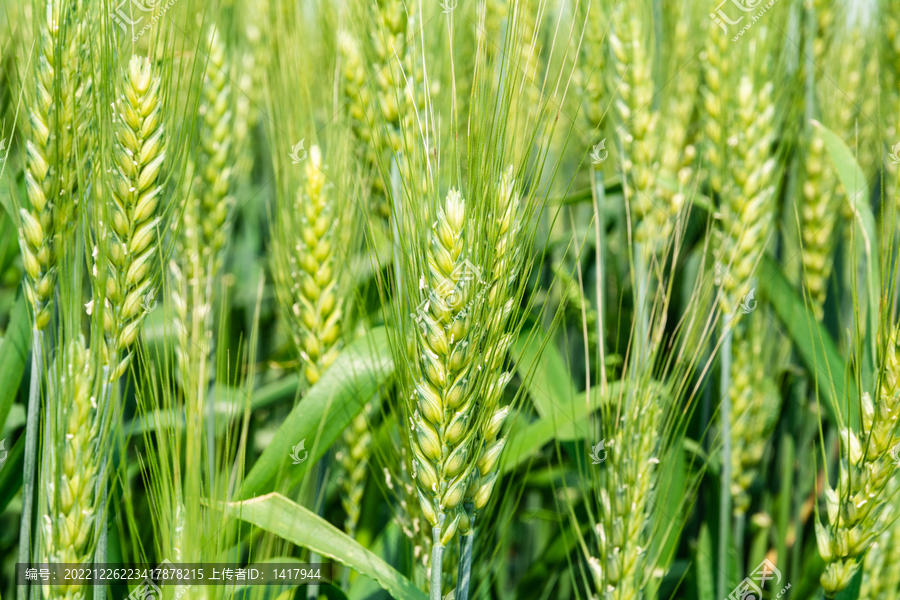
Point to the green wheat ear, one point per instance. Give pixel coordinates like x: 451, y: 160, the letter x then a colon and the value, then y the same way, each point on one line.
x: 68, y: 517
x: 308, y: 275
x: 444, y: 411
x: 854, y: 506
x: 122, y: 271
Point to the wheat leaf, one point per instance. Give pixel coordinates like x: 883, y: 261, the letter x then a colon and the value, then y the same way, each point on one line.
x: 857, y: 190
x: 816, y: 348
x: 294, y: 523
x: 14, y: 349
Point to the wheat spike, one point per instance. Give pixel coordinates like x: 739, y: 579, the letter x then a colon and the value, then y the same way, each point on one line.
x: 854, y: 507
x: 631, y: 61
x: 45, y: 175
x: 123, y: 270
x: 755, y: 402
x: 70, y: 504
x: 443, y: 419
x: 309, y: 278
x: 208, y: 204
x: 499, y: 307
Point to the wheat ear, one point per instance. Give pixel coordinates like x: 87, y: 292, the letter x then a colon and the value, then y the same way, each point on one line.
x: 881, y: 567
x: 854, y: 507
x: 71, y: 502
x: 43, y: 172
x: 308, y: 276
x: 123, y: 270
x: 443, y: 411
x: 203, y: 232
x: 631, y: 62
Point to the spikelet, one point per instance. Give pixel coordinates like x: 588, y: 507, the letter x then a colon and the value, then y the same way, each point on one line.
x: 443, y: 410
x: 308, y: 276
x: 881, y: 567
x: 70, y: 506
x: 122, y: 272
x: 854, y: 507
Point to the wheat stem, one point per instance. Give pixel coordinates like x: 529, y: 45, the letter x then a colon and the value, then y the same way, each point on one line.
x: 725, y: 481
x: 31, y: 435
x: 466, y: 542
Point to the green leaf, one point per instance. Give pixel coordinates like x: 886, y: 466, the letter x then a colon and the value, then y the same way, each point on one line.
x: 14, y: 349
x: 816, y: 348
x: 857, y: 188
x: 11, y: 472
x: 296, y: 524
x: 324, y: 412
x: 570, y: 424
x: 544, y: 372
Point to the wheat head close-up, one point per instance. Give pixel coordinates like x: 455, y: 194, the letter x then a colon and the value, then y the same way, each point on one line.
x: 449, y: 299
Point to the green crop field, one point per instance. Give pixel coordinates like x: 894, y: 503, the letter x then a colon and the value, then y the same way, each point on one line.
x: 449, y: 299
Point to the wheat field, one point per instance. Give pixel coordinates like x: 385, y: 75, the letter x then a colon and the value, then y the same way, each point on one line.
x: 449, y: 299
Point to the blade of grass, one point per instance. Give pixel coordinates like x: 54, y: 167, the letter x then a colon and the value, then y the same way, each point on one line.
x: 278, y: 515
